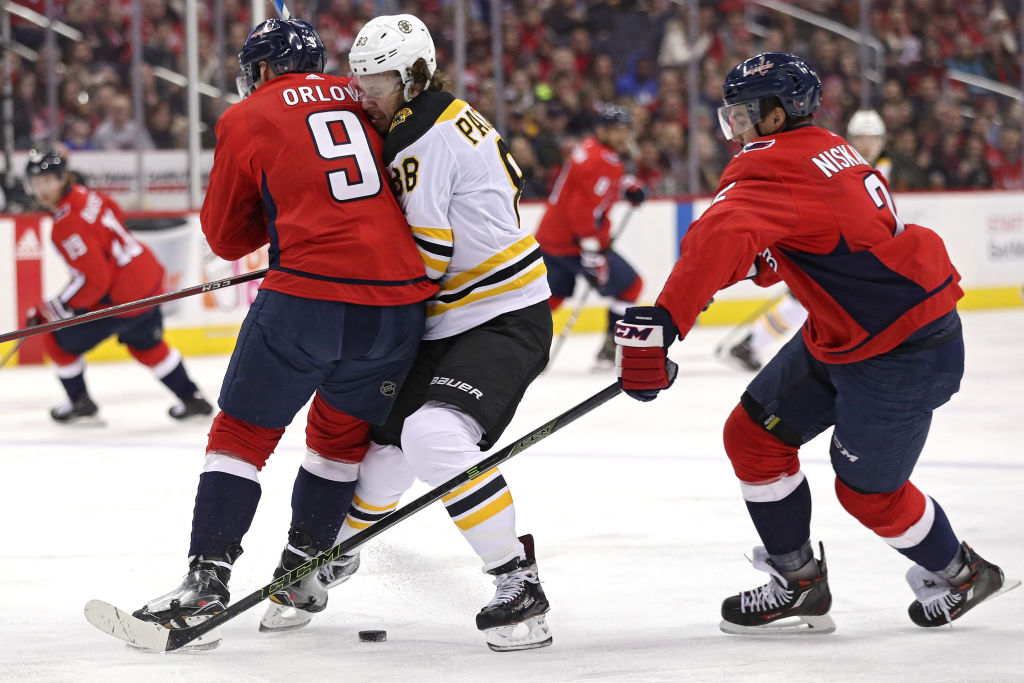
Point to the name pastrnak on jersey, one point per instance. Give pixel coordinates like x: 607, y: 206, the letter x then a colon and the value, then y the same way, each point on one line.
x: 459, y: 188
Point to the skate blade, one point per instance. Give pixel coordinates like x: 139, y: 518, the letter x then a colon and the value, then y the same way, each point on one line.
x: 284, y: 618
x: 790, y: 626
x: 91, y: 422
x: 526, y: 635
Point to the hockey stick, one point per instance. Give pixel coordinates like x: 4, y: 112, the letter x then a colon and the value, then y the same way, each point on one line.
x: 570, y: 322
x: 10, y: 354
x: 151, y: 636
x: 132, y: 306
x: 282, y: 11
x: 736, y: 333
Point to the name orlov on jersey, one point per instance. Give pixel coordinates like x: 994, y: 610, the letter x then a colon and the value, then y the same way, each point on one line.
x: 458, y: 384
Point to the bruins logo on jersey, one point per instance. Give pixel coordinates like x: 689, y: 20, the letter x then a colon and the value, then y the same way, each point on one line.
x: 400, y: 117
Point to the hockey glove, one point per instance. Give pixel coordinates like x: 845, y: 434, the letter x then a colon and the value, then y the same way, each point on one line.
x: 594, y: 263
x: 635, y: 193
x: 642, y: 338
x: 47, y: 312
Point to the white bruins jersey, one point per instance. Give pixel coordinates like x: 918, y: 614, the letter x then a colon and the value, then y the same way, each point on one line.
x: 459, y: 188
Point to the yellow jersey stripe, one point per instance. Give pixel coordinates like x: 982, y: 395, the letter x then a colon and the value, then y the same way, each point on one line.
x: 359, y: 503
x: 472, y: 483
x: 490, y: 264
x: 485, y: 513
x: 434, y: 264
x: 444, y: 234
x: 356, y: 524
x: 451, y: 111
x: 434, y: 308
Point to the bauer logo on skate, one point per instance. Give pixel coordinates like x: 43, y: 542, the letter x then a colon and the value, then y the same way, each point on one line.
x: 458, y: 384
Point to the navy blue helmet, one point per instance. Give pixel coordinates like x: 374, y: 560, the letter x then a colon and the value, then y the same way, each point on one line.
x: 288, y: 45
x: 42, y: 161
x: 613, y: 115
x: 769, y: 74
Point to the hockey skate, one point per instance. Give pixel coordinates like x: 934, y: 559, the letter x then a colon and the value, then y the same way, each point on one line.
x: 197, y: 406
x: 519, y: 604
x: 605, y: 359
x: 742, y: 355
x: 81, y: 411
x: 781, y: 607
x: 940, y: 601
x: 202, y: 594
x: 293, y: 607
x: 339, y: 571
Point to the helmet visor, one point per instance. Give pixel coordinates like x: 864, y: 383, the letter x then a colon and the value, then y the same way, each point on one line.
x: 378, y: 86
x: 736, y: 119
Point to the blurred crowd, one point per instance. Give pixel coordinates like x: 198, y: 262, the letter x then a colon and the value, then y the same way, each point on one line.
x: 562, y: 58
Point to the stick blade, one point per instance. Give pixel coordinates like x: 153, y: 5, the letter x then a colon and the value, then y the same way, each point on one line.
x: 116, y: 622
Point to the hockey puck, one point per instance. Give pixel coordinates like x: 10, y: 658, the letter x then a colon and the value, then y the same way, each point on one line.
x: 373, y: 636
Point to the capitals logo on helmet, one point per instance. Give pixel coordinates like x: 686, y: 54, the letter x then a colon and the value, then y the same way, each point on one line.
x: 287, y: 45
x: 42, y: 161
x: 770, y: 74
x: 613, y: 115
x: 393, y: 43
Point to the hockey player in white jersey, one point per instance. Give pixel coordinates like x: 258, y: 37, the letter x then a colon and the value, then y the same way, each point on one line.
x: 487, y: 336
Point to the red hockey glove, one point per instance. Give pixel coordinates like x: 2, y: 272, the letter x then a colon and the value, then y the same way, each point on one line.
x: 594, y: 263
x: 642, y: 338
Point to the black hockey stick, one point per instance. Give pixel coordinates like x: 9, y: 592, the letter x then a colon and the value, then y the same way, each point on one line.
x: 10, y: 354
x: 570, y: 322
x: 152, y: 636
x: 133, y: 305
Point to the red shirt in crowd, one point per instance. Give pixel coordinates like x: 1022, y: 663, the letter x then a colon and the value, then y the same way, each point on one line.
x: 578, y: 206
x: 108, y: 265
x: 805, y: 208
x: 297, y: 165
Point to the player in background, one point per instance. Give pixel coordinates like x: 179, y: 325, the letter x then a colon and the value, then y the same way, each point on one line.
x: 575, y: 232
x: 337, y: 318
x: 881, y: 350
x: 488, y: 330
x: 108, y: 267
x: 866, y: 132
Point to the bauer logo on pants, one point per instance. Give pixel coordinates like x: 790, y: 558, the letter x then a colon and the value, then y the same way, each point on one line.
x: 458, y: 384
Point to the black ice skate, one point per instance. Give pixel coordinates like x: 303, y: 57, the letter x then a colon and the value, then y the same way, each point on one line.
x: 742, y: 354
x: 781, y: 607
x: 196, y: 406
x: 605, y: 359
x: 81, y: 411
x: 940, y: 601
x: 519, y: 604
x: 339, y: 571
x: 202, y: 593
x: 293, y: 607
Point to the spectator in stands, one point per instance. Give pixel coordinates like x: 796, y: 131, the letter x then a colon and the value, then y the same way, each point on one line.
x: 119, y: 130
x: 1005, y: 162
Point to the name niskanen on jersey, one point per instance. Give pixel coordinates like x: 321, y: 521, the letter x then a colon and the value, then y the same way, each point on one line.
x: 837, y: 158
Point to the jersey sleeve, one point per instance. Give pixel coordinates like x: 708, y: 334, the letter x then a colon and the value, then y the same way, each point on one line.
x: 83, y: 251
x: 232, y: 214
x: 727, y: 244
x: 426, y: 204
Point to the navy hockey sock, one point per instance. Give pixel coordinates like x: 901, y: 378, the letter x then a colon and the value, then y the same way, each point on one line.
x: 177, y: 380
x: 319, y: 506
x: 939, y: 551
x: 225, y: 506
x: 785, y: 527
x: 74, y: 386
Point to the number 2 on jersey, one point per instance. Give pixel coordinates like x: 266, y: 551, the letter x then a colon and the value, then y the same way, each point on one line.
x: 880, y: 196
x: 339, y: 135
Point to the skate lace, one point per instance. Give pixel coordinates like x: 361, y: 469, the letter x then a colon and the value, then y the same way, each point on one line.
x: 510, y: 585
x: 768, y: 596
x: 941, y: 605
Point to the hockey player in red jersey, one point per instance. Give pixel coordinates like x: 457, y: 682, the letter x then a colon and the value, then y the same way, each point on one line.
x: 882, y: 348
x: 108, y: 267
x: 575, y: 232
x: 338, y: 317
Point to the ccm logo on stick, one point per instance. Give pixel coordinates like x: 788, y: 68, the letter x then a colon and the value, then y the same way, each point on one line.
x: 457, y: 384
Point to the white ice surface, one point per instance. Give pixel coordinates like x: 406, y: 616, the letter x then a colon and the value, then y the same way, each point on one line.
x: 638, y: 520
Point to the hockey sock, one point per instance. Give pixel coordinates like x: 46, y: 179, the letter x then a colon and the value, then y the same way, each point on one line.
x: 484, y: 512
x: 784, y: 526
x: 364, y: 511
x: 319, y: 506
x: 939, y: 551
x: 74, y: 386
x: 225, y: 506
x: 177, y: 380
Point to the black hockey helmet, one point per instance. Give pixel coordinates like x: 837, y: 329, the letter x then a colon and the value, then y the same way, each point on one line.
x: 47, y: 160
x: 288, y: 45
x: 612, y: 115
x: 769, y: 74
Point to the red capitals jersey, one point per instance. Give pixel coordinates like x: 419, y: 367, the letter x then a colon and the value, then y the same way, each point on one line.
x: 578, y: 206
x: 297, y: 165
x: 108, y: 265
x: 804, y: 207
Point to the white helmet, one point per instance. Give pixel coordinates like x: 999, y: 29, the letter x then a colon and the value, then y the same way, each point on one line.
x: 392, y: 43
x: 865, y: 122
